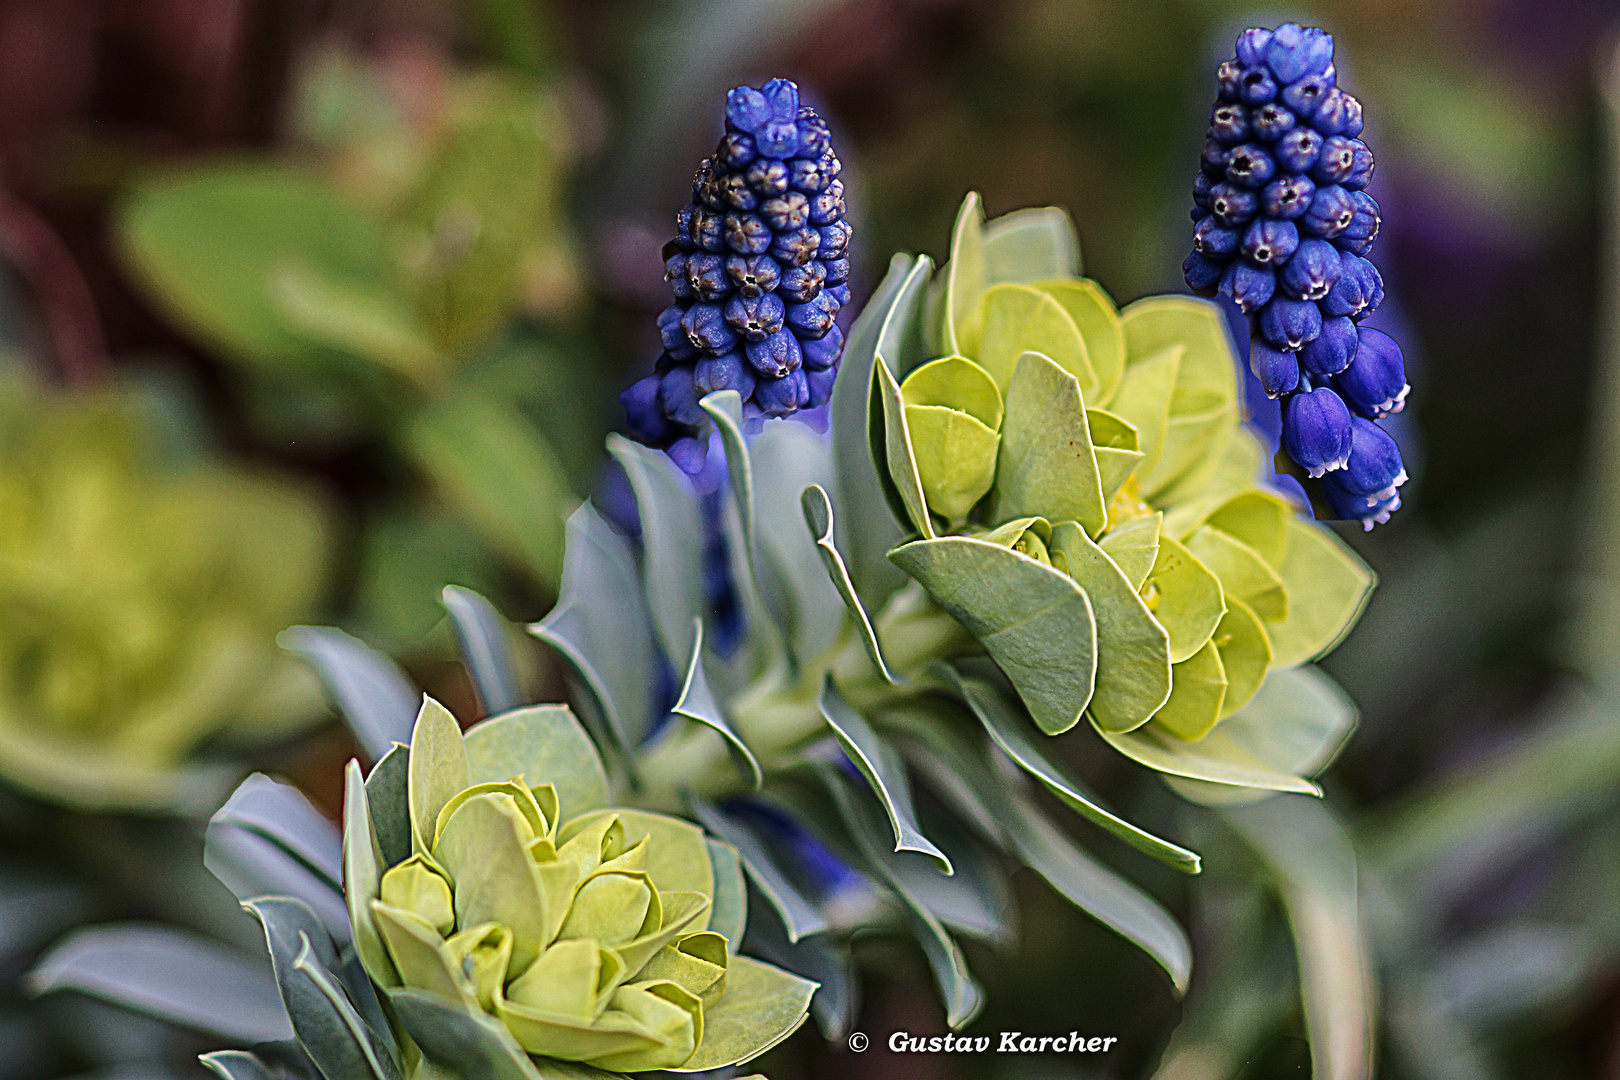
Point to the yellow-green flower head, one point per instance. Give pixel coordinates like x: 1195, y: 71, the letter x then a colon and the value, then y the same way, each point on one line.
x: 1108, y: 445
x: 587, y: 937
x: 139, y: 603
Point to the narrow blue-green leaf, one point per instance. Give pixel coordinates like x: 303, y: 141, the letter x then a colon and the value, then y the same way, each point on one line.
x: 601, y: 626
x: 976, y: 900
x: 281, y: 814
x: 485, y: 648
x: 799, y: 914
x: 902, y: 462
x: 965, y: 272
x: 1314, y: 868
x: 885, y: 772
x: 1008, y: 730
x: 787, y: 458
x: 963, y: 996
x: 818, y: 515
x: 390, y: 810
x: 885, y: 442
x: 698, y: 702
x: 868, y: 531
x: 382, y: 1057
x: 725, y: 409
x: 671, y: 541
x: 369, y: 689
x: 172, y: 974
x: 251, y: 866
x: 825, y: 958
x: 729, y: 916
x: 237, y: 1065
x: 472, y: 1044
x: 1034, y: 621
x: 1098, y: 891
x: 765, y: 636
x: 290, y: 928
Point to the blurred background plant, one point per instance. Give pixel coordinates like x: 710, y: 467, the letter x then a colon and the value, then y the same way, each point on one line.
x: 409, y: 254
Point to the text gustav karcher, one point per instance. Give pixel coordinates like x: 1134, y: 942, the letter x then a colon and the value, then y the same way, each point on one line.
x: 1010, y: 1042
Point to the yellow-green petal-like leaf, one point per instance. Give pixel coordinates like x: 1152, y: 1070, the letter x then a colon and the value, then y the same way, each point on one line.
x: 420, y: 956
x: 438, y: 770
x: 543, y: 744
x: 1161, y: 322
x: 762, y: 1006
x: 362, y: 877
x: 1242, y: 571
x: 1328, y: 587
x: 897, y: 448
x: 1192, y: 445
x: 1165, y: 753
x: 1143, y: 400
x: 1259, y: 519
x: 1185, y: 596
x: 1047, y: 467
x: 677, y: 857
x: 955, y: 382
x: 1245, y: 654
x: 1134, y: 547
x: 1029, y: 245
x: 1097, y: 320
x: 965, y: 274
x: 484, y: 847
x: 1133, y: 650
x: 1195, y: 703
x: 1035, y: 622
x: 956, y: 458
x: 1016, y: 319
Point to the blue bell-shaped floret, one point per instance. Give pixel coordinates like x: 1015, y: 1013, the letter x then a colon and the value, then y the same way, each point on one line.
x: 1316, y: 430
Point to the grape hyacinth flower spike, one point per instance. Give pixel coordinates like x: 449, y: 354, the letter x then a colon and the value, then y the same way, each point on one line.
x: 759, y: 267
x: 1283, y: 225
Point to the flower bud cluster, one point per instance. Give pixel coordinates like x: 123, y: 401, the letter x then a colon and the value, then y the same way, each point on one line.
x: 759, y: 267
x: 1283, y: 225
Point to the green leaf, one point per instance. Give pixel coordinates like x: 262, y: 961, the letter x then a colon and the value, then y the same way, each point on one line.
x: 800, y: 916
x: 1134, y: 547
x: 1033, y: 620
x: 1047, y: 467
x: 175, y: 975
x: 543, y: 744
x: 1008, y: 731
x: 1292, y: 729
x: 869, y: 532
x: 1185, y: 597
x: 363, y: 868
x: 283, y: 815
x: 963, y: 996
x: 438, y: 771
x: 369, y: 689
x: 903, y: 471
x: 501, y: 474
x: 388, y: 804
x: 1143, y: 401
x: 1031, y: 245
x: 1133, y: 650
x: 885, y: 772
x: 1097, y: 320
x: 486, y: 649
x: 602, y: 628
x: 1195, y: 702
x: 1243, y: 573
x: 205, y: 242
x: 818, y: 516
x: 697, y: 702
x: 1328, y: 588
x: 788, y: 458
x: 671, y: 542
x: 1016, y: 319
x: 966, y: 275
x: 762, y: 1006
x: 1098, y: 891
x: 729, y: 916
x: 236, y: 1065
x: 1245, y: 654
x: 381, y: 1052
x: 1314, y: 868
x: 355, y: 317
x: 294, y: 934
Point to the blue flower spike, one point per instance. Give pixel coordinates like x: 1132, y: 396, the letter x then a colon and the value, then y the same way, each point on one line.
x: 759, y: 269
x: 1282, y: 226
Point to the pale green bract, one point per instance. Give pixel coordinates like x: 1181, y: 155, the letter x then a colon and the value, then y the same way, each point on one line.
x: 587, y: 932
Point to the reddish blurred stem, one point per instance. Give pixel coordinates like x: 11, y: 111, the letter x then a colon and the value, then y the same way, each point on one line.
x: 61, y: 294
